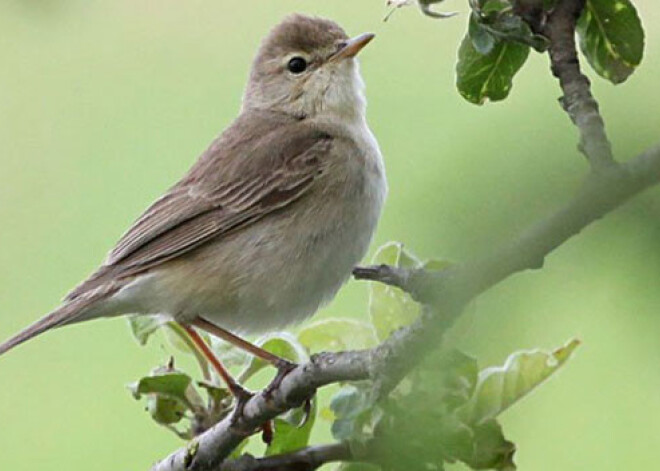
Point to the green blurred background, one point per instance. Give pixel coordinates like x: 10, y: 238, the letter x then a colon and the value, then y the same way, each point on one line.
x: 103, y: 104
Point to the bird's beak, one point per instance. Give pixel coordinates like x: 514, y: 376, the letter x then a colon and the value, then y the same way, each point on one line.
x: 352, y: 47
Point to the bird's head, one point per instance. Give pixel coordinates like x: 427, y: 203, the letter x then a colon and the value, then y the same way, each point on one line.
x: 306, y: 67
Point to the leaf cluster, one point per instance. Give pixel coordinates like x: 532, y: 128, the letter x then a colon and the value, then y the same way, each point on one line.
x: 500, y: 36
x: 446, y: 409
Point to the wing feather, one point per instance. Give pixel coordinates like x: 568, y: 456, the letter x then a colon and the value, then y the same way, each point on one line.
x: 216, y: 198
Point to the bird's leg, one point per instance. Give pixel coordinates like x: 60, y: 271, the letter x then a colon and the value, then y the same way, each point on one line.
x: 283, y: 366
x: 241, y: 394
x: 213, y: 329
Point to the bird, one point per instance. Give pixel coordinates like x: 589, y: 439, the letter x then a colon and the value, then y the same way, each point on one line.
x: 269, y: 222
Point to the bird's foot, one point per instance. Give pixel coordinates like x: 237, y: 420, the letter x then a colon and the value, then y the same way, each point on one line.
x: 241, y: 396
x: 284, y: 367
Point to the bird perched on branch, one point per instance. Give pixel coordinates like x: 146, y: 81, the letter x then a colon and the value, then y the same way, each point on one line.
x: 268, y: 223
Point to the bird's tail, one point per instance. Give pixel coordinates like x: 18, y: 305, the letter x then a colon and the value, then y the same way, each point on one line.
x: 65, y: 314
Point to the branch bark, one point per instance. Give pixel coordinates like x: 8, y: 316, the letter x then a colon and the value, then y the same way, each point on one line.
x: 306, y: 459
x: 578, y: 101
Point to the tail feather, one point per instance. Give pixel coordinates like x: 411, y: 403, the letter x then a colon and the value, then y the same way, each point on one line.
x: 65, y: 314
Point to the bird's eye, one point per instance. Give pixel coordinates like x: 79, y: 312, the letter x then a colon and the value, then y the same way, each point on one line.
x: 297, y: 65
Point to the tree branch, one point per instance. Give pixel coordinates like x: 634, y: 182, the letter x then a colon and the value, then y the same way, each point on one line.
x: 578, y: 101
x: 306, y: 459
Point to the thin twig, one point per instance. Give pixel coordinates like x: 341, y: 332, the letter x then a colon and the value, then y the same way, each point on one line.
x: 577, y: 100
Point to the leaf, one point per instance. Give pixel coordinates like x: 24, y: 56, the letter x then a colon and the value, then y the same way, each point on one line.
x: 490, y: 450
x: 217, y: 394
x: 337, y: 334
x: 143, y: 326
x: 482, y: 41
x: 165, y: 410
x: 480, y: 77
x: 499, y: 387
x: 446, y: 376
x: 289, y: 435
x: 169, y: 393
x: 389, y: 307
x: 228, y: 354
x: 282, y: 344
x: 495, y: 6
x: 238, y: 451
x: 168, y: 384
x: 433, y: 434
x: 354, y: 414
x: 612, y: 38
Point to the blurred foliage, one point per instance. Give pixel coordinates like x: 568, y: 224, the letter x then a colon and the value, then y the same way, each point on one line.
x: 104, y: 104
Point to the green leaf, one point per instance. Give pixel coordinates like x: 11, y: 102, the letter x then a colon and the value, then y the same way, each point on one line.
x: 389, y: 307
x: 228, y: 354
x: 282, y: 344
x: 447, y: 376
x: 488, y: 77
x: 499, y: 387
x: 337, y: 334
x: 238, y: 451
x: 289, y: 434
x: 165, y: 410
x: 495, y: 6
x: 354, y: 414
x: 489, y: 450
x: 216, y: 393
x: 172, y: 384
x: 143, y: 326
x: 612, y: 38
x: 425, y: 412
x: 169, y: 395
x: 482, y: 41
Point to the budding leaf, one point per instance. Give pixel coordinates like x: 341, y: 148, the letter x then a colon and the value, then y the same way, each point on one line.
x: 169, y: 384
x: 336, y: 335
x: 482, y: 77
x: 389, y: 307
x: 499, y: 387
x: 482, y: 40
x: 142, y: 327
x: 355, y: 414
x: 612, y: 38
x: 169, y: 395
x: 282, y: 344
x: 292, y: 432
x: 490, y: 449
x: 424, y: 412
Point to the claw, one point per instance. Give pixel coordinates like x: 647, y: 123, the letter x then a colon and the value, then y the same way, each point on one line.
x: 267, y: 432
x: 307, y: 410
x: 284, y: 367
x: 242, y: 396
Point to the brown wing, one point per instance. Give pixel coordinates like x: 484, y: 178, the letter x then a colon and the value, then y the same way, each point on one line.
x: 238, y: 181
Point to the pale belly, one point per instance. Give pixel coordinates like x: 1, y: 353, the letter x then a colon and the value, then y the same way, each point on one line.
x: 276, y: 272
